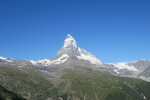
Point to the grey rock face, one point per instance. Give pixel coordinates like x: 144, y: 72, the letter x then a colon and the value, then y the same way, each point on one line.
x: 137, y: 69
x: 15, y: 62
x: 141, y: 65
x: 69, y: 47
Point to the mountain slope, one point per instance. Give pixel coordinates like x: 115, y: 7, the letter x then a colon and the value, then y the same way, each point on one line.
x: 74, y: 83
x: 29, y: 83
x: 81, y: 83
x: 8, y: 95
x: 136, y: 69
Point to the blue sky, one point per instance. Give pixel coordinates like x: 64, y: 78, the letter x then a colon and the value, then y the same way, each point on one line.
x: 113, y: 30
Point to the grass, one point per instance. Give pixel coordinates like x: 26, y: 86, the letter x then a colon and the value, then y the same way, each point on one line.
x: 77, y: 83
x: 95, y: 85
x: 29, y: 83
x: 5, y: 95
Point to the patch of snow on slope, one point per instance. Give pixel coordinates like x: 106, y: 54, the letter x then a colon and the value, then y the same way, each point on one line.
x: 61, y: 59
x: 143, y: 96
x: 33, y: 62
x: 79, y: 50
x: 90, y: 58
x: 3, y: 58
x: 116, y: 70
x: 145, y: 78
x: 43, y: 61
x: 125, y: 66
x: 47, y: 62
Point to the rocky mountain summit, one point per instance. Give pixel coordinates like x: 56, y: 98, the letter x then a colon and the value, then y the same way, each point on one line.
x: 70, y: 51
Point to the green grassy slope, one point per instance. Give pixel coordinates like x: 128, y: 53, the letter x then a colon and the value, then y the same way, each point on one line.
x: 77, y: 83
x: 7, y: 95
x: 81, y: 83
x: 31, y: 84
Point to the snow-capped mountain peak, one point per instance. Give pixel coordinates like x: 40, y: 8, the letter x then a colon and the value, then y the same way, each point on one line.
x: 71, y: 48
x: 70, y: 51
x: 69, y: 42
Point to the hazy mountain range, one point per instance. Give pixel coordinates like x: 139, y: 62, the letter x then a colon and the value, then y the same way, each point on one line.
x: 75, y: 74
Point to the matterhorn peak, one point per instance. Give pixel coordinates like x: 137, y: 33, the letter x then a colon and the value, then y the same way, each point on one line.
x: 69, y: 46
x: 69, y: 42
x: 71, y: 49
x: 69, y: 36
